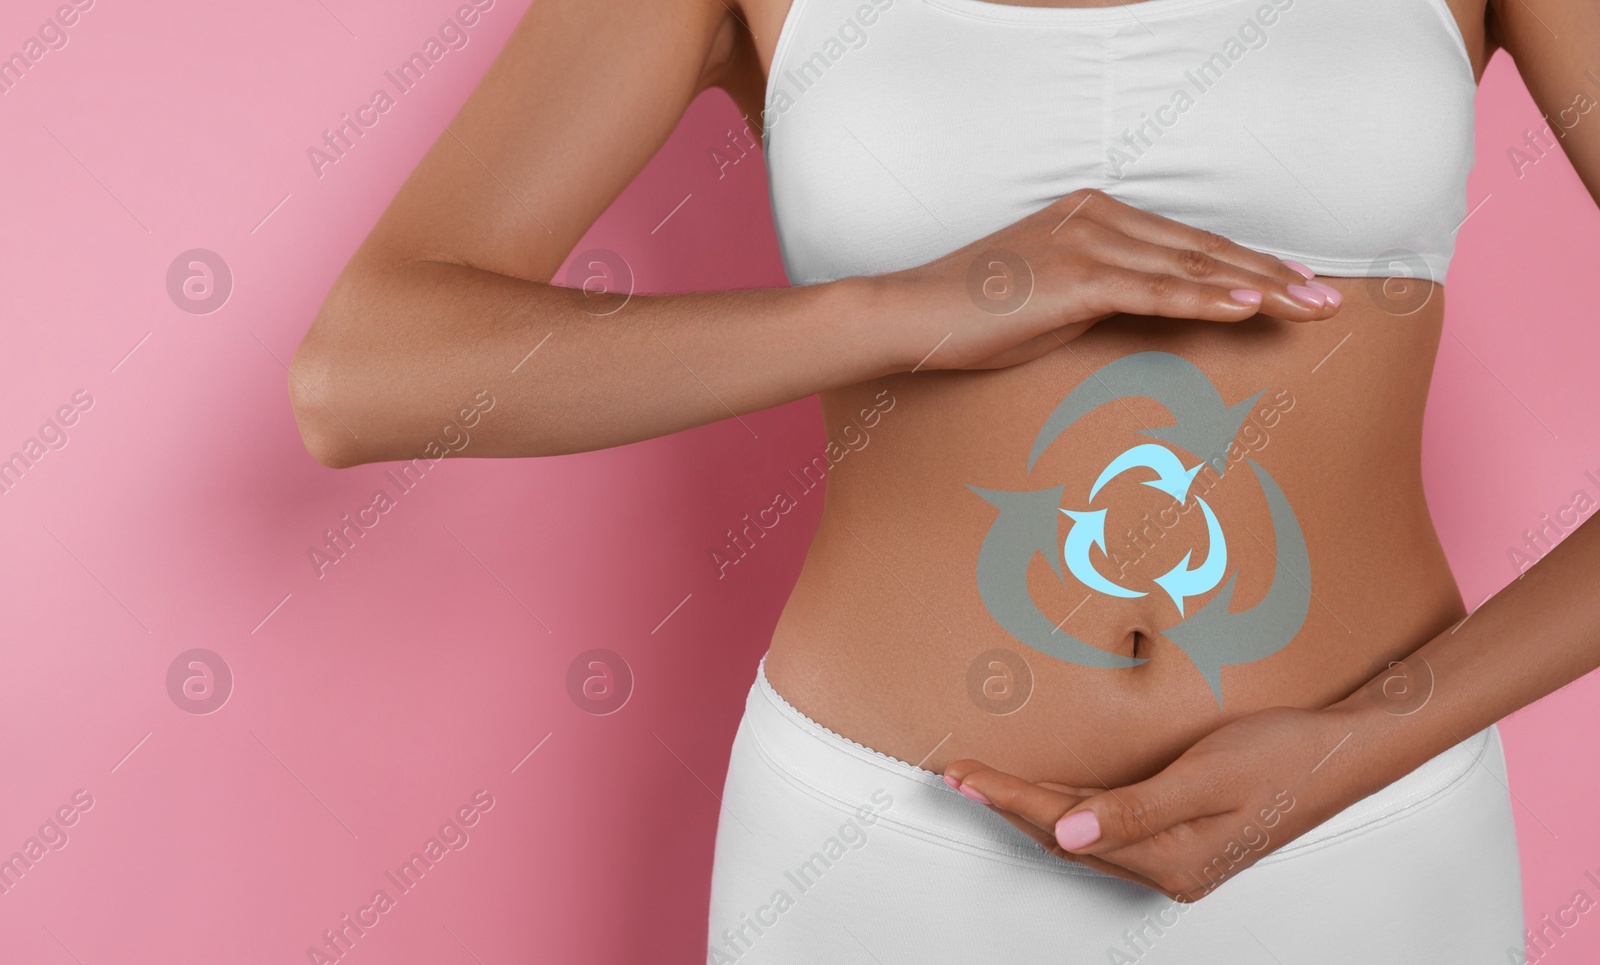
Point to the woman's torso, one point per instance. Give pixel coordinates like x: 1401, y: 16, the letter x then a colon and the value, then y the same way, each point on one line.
x: 925, y: 582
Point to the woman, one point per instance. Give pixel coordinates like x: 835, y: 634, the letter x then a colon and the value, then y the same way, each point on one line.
x: 1131, y: 591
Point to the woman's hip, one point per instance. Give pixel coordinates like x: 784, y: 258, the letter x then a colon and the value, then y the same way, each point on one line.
x: 825, y: 846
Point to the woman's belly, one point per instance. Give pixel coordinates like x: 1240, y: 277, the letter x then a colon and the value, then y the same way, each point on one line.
x: 950, y: 607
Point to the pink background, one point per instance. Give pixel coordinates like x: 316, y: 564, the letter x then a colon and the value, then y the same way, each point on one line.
x: 370, y: 704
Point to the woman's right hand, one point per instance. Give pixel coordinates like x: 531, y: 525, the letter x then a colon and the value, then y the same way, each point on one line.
x: 463, y: 267
x: 1030, y: 287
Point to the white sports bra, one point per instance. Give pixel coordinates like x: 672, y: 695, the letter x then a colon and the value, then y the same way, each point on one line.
x: 1337, y: 133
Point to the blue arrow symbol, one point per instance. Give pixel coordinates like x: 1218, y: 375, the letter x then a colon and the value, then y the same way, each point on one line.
x: 1214, y: 638
x: 1089, y: 529
x: 1028, y: 524
x: 1180, y: 581
x: 1171, y: 477
x: 1204, y: 426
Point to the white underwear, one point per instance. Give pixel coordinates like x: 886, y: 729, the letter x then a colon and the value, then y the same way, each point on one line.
x: 830, y: 853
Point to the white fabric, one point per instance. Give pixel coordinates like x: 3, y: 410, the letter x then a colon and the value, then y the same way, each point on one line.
x: 1338, y: 133
x: 879, y: 861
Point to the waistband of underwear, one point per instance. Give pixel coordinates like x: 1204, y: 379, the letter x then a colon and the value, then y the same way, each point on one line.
x: 847, y: 775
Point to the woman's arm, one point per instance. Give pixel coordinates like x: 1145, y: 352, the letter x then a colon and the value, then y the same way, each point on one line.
x: 1542, y: 631
x: 449, y: 295
x: 1536, y: 635
x: 1289, y: 770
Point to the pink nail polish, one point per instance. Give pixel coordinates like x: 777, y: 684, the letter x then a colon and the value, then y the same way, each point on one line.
x: 1245, y: 296
x: 973, y: 794
x: 1302, y: 269
x: 1078, y: 830
x: 1332, y: 293
x: 955, y: 785
x: 1310, y: 296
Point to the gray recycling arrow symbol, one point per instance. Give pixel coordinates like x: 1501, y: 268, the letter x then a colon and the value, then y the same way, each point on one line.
x: 1027, y: 525
x: 1214, y: 638
x: 1205, y: 426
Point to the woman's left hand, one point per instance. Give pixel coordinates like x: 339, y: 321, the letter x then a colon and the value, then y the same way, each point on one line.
x: 1245, y: 789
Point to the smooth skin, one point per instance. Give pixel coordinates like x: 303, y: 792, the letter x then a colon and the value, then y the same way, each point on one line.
x: 451, y: 293
x: 1541, y: 632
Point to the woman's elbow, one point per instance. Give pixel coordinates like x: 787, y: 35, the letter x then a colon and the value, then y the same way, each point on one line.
x: 312, y: 379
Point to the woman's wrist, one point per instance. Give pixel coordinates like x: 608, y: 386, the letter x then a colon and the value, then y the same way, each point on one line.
x: 849, y: 327
x: 901, y: 321
x: 1390, y: 725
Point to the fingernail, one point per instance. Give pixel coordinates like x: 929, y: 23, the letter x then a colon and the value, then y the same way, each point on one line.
x: 1310, y: 296
x: 1302, y: 269
x: 1245, y: 296
x: 972, y: 793
x: 1332, y: 293
x: 954, y: 784
x: 1078, y: 830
